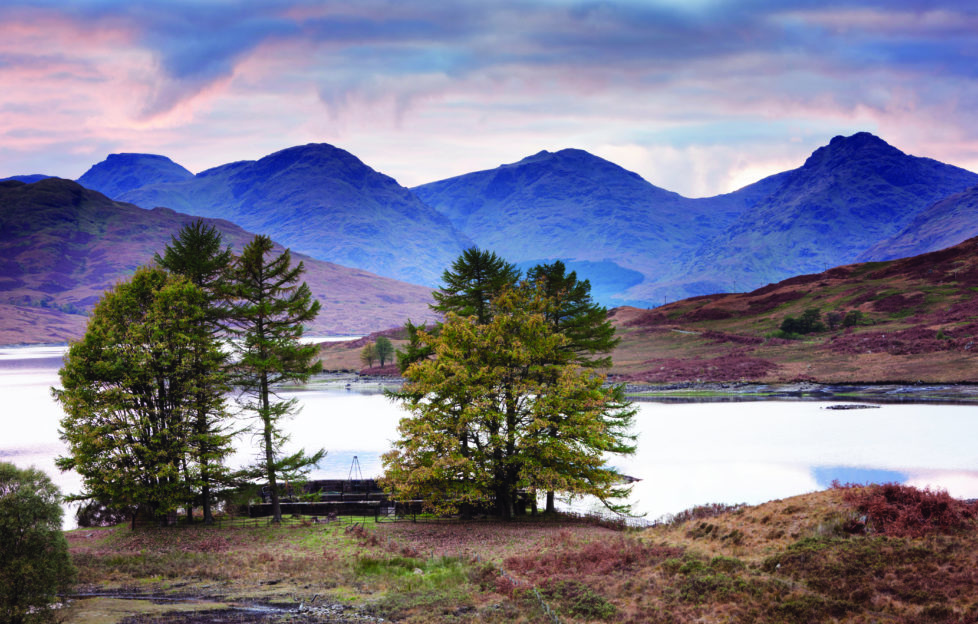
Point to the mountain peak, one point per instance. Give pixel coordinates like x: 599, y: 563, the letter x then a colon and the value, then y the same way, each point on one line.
x: 126, y: 171
x: 862, y: 146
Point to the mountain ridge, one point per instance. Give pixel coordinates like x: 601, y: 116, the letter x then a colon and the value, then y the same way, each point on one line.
x: 62, y: 245
x: 319, y: 200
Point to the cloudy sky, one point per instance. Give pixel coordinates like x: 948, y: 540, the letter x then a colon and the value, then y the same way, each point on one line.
x: 698, y: 96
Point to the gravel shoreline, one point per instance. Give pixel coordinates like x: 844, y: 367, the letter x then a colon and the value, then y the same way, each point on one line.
x: 720, y: 391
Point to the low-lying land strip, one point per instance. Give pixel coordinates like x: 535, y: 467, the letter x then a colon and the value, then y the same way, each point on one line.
x: 883, y: 554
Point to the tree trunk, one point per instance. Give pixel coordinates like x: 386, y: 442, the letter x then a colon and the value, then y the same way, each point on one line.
x: 550, y: 503
x: 269, y: 450
x: 206, y: 493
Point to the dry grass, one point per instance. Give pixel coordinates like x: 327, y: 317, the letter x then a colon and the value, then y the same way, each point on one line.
x: 788, y: 561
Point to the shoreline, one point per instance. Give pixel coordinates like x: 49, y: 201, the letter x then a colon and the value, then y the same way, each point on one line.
x: 691, y: 391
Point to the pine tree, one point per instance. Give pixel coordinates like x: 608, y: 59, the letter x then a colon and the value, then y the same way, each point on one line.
x: 570, y: 311
x: 474, y: 280
x: 198, y: 253
x: 270, y: 308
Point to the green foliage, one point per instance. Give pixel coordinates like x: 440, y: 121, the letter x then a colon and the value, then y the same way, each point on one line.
x: 485, y: 407
x: 854, y: 318
x: 571, y: 312
x: 414, y: 350
x: 198, y: 253
x: 384, y: 349
x: 34, y: 562
x: 574, y: 597
x: 270, y: 307
x: 717, y: 579
x: 808, y: 323
x: 131, y: 390
x: 474, y: 280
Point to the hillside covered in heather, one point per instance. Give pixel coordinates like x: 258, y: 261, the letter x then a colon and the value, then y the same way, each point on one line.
x: 62, y: 246
x: 919, y: 322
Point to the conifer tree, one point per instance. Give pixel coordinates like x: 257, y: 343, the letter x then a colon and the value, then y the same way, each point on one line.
x: 500, y: 388
x: 270, y: 308
x: 198, y: 253
x: 473, y: 281
x: 570, y: 311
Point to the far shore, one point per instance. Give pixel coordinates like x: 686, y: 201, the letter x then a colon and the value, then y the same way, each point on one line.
x: 692, y: 391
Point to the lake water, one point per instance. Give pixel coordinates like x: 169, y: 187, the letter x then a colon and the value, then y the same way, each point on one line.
x: 688, y: 453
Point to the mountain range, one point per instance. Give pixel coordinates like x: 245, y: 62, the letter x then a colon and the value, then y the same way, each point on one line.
x: 847, y: 197
x: 856, y: 198
x: 62, y: 245
x: 316, y: 199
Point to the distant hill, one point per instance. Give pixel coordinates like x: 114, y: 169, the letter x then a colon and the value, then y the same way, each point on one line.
x: 848, y: 196
x: 576, y: 206
x: 942, y: 224
x: 120, y: 173
x: 29, y: 179
x: 920, y: 313
x: 317, y: 199
x: 62, y: 245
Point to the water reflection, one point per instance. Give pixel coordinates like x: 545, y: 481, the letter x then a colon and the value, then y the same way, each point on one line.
x: 688, y: 453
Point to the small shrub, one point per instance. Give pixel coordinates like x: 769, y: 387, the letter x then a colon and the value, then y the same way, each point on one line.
x: 96, y: 514
x: 701, y: 512
x: 365, y: 537
x: 899, y: 510
x: 811, y: 608
x: 577, y: 599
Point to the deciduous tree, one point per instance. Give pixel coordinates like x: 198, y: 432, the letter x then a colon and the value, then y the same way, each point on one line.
x: 271, y: 306
x: 34, y: 562
x: 385, y: 349
x: 368, y: 354
x: 131, y: 388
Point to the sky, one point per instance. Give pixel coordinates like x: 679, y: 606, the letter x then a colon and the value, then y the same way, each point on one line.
x: 697, y: 96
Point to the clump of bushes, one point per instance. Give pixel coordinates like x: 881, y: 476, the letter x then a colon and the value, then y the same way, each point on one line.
x: 811, y: 322
x: 899, y: 510
x: 574, y: 597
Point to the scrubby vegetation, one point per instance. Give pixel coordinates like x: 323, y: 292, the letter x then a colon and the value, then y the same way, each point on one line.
x: 888, y: 553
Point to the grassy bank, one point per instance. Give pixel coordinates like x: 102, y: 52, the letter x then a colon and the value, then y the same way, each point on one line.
x: 813, y: 558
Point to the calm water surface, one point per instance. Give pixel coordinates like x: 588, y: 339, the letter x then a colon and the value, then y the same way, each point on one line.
x: 688, y: 454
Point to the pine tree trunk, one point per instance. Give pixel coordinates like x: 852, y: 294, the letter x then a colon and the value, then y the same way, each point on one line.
x: 269, y: 451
